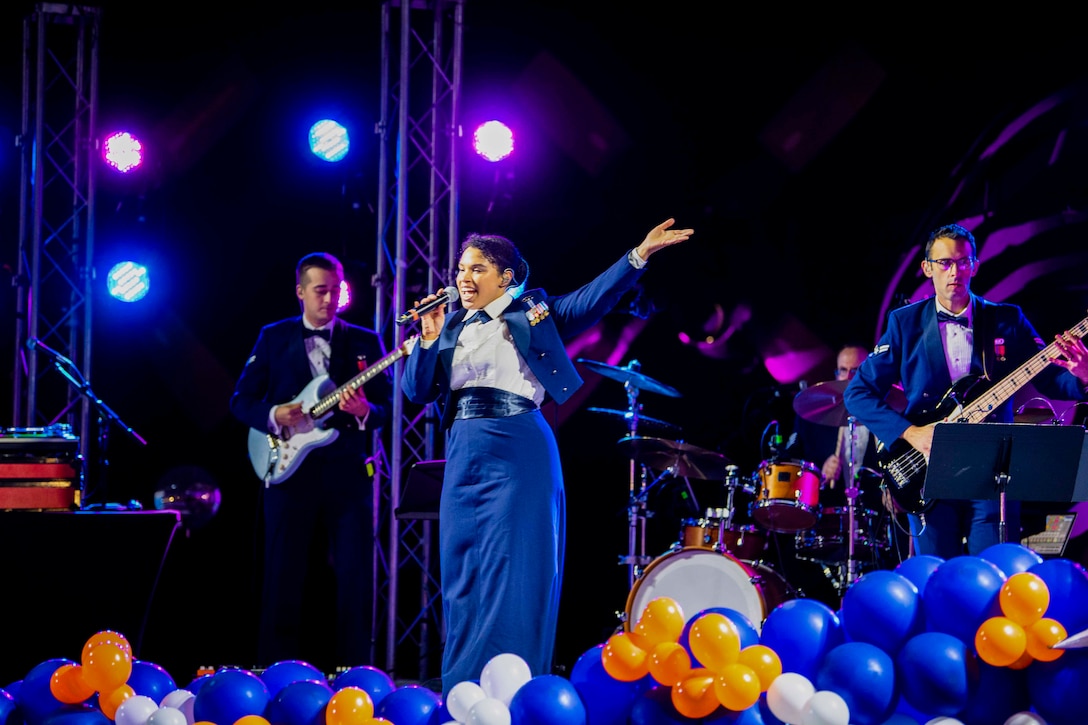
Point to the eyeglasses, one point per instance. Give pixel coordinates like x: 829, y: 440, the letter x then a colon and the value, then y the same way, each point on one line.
x: 962, y: 265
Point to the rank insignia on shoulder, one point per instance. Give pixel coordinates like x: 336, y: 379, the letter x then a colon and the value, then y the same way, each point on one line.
x: 537, y: 312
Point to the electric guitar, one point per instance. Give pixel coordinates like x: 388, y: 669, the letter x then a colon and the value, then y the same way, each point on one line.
x: 904, y: 467
x: 275, y: 457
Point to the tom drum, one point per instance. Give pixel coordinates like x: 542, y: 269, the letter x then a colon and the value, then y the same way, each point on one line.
x: 743, y: 542
x: 787, y: 496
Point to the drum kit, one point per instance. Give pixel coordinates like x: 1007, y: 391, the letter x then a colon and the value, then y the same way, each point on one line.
x: 719, y: 560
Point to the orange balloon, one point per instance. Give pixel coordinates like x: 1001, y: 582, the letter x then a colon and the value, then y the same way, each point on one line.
x: 694, y: 696
x: 764, y: 661
x: 1000, y: 641
x: 349, y: 706
x: 67, y: 684
x: 1025, y: 660
x: 251, y: 720
x: 1042, y: 636
x: 714, y: 641
x: 624, y: 660
x: 737, y: 687
x: 1024, y: 598
x: 662, y: 621
x: 669, y: 663
x: 107, y: 666
x: 109, y: 701
x: 106, y: 635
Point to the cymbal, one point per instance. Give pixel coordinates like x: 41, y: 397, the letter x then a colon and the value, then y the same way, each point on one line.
x: 627, y: 416
x: 682, y: 458
x: 823, y: 404
x: 628, y: 375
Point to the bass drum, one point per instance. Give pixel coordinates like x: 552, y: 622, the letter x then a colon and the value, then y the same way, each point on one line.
x: 698, y: 578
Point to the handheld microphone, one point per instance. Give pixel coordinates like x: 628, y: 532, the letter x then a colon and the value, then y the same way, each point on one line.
x: 413, y: 314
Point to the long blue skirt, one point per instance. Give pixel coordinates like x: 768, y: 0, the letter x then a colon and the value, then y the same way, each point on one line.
x: 502, y: 532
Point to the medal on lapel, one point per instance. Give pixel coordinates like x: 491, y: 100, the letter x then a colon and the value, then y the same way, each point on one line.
x: 537, y: 312
x: 999, y: 348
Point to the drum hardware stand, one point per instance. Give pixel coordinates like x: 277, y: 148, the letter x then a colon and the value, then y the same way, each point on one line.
x: 851, y: 502
x: 725, y: 523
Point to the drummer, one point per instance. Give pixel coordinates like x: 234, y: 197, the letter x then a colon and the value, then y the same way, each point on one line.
x: 837, y: 453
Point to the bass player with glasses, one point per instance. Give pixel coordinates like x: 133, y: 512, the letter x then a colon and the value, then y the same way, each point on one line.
x: 946, y: 351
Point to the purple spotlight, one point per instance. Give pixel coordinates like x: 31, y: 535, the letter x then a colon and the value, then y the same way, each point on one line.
x: 122, y: 151
x: 345, y: 296
x: 493, y: 140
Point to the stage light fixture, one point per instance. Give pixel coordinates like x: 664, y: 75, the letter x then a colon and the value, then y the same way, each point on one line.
x: 344, y: 300
x: 122, y: 151
x: 493, y: 140
x: 128, y: 281
x: 329, y: 141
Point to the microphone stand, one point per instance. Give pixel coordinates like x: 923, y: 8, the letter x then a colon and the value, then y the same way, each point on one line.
x: 106, y: 415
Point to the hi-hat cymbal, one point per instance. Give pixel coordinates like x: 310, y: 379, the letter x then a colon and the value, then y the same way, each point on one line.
x: 629, y: 375
x: 639, y: 419
x: 823, y: 404
x: 683, y: 459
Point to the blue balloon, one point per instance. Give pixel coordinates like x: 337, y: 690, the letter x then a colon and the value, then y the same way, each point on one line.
x: 725, y: 716
x: 229, y: 694
x: 408, y: 705
x: 608, y: 701
x: 8, y: 708
x: 937, y: 673
x: 918, y: 569
x: 655, y: 707
x: 1057, y: 688
x: 34, y: 697
x: 1067, y: 582
x: 864, y: 676
x: 1011, y: 558
x: 81, y: 714
x: 369, y: 679
x: 547, y: 700
x: 802, y: 632
x: 283, y: 673
x: 1002, y: 692
x: 196, y: 683
x: 301, y: 702
x: 148, y: 678
x: 960, y: 595
x: 882, y: 608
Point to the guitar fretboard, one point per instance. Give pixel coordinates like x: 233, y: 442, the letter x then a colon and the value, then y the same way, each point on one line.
x: 979, y: 409
x: 327, y: 403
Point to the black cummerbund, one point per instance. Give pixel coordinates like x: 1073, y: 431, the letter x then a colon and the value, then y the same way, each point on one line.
x: 479, y: 402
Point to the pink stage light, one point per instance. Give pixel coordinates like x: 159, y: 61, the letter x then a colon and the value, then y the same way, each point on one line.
x: 493, y: 140
x: 122, y: 151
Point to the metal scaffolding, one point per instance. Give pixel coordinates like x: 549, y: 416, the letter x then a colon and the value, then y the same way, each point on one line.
x: 56, y: 219
x: 419, y: 132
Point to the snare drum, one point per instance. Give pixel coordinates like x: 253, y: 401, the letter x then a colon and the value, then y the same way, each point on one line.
x: 788, y: 495
x: 698, y: 578
x: 743, y: 542
x: 827, y: 541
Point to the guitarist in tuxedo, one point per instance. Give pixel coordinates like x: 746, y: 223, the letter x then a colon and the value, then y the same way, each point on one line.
x: 946, y: 351
x: 325, y: 507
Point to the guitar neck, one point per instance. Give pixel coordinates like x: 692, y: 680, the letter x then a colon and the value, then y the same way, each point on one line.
x: 330, y: 401
x: 979, y: 409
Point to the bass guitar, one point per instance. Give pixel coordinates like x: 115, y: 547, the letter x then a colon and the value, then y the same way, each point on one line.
x: 275, y: 457
x: 904, y: 467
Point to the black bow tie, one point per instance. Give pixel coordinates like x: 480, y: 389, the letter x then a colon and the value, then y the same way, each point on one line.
x: 327, y: 334
x: 960, y: 320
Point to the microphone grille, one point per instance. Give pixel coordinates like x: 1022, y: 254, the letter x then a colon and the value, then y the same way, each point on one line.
x: 451, y: 291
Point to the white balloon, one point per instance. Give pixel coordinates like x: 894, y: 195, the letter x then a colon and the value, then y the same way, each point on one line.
x: 1025, y: 718
x: 167, y: 716
x: 826, y: 708
x: 183, y: 700
x: 943, y: 720
x: 462, y: 697
x: 489, y: 711
x: 135, y: 710
x: 787, y: 695
x: 503, y: 676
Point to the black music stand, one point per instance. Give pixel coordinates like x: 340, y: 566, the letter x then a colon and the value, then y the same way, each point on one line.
x: 1017, y: 461
x: 422, y: 491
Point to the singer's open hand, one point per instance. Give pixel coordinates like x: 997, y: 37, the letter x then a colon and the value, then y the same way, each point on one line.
x: 662, y: 236
x: 430, y: 322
